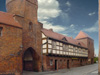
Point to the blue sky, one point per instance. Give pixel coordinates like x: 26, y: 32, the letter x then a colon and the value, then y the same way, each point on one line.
x: 68, y: 17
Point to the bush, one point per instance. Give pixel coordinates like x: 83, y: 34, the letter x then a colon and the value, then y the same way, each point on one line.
x: 95, y: 59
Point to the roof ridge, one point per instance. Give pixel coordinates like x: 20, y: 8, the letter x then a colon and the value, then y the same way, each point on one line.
x: 59, y: 36
x: 82, y: 35
x: 55, y: 32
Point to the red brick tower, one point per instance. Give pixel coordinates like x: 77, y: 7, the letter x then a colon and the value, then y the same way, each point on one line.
x: 26, y: 14
x: 89, y: 42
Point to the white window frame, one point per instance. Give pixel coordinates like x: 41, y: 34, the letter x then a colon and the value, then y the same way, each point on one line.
x: 51, y: 62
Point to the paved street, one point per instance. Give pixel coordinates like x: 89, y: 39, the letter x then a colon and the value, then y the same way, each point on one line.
x: 84, y: 70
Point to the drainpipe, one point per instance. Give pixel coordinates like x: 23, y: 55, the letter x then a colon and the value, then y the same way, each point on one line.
x: 42, y: 54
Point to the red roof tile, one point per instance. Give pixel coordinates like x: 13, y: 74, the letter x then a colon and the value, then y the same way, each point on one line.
x: 8, y: 19
x: 82, y: 35
x: 58, y: 36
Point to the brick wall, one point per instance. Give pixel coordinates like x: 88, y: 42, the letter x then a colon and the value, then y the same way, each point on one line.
x: 90, y: 45
x: 62, y: 62
x: 26, y: 13
x: 10, y: 43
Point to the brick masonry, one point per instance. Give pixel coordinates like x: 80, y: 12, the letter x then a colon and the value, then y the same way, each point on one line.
x: 62, y: 62
x: 14, y: 37
x: 31, y: 39
x: 10, y: 43
x: 90, y: 45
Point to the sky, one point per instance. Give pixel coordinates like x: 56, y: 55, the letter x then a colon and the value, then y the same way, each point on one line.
x: 68, y: 17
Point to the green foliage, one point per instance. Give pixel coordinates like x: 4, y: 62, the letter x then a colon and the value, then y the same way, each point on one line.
x: 95, y: 59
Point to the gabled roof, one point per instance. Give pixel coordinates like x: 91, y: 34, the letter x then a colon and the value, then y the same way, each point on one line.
x: 64, y: 39
x: 58, y: 36
x: 82, y: 35
x: 8, y: 19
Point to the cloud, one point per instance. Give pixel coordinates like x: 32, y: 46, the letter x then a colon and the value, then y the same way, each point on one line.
x: 91, y: 14
x: 94, y: 28
x: 68, y: 3
x: 68, y: 10
x: 64, y: 34
x: 56, y: 28
x: 48, y: 9
x: 72, y: 25
x: 72, y: 29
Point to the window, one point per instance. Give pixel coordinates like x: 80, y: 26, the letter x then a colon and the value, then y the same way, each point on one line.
x: 67, y: 47
x: 79, y: 44
x: 1, y: 31
x: 89, y: 42
x: 64, y: 47
x: 54, y: 44
x: 51, y: 62
x: 30, y: 25
x: 74, y: 49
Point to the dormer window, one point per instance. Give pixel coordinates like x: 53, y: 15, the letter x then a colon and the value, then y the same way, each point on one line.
x: 64, y: 39
x: 1, y: 31
x: 30, y: 25
x: 79, y: 44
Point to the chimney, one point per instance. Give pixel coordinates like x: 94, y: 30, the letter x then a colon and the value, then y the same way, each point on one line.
x: 51, y: 29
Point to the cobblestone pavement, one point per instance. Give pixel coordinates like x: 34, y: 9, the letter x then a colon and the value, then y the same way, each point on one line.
x: 84, y: 70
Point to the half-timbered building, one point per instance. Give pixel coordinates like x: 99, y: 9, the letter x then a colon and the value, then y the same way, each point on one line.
x: 60, y: 51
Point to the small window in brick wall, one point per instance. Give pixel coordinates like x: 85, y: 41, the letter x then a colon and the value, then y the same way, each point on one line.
x: 1, y: 31
x: 51, y: 62
x: 89, y: 42
x: 30, y: 25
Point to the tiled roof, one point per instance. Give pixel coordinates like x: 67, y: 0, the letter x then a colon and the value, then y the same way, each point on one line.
x: 50, y: 33
x: 8, y: 19
x: 82, y: 35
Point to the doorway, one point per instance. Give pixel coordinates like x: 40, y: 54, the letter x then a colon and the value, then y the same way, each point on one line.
x: 28, y: 60
x: 55, y: 64
x: 68, y: 64
x: 81, y: 62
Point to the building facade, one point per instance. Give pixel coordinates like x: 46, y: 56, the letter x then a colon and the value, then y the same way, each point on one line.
x: 26, y: 45
x: 60, y: 52
x: 10, y: 43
